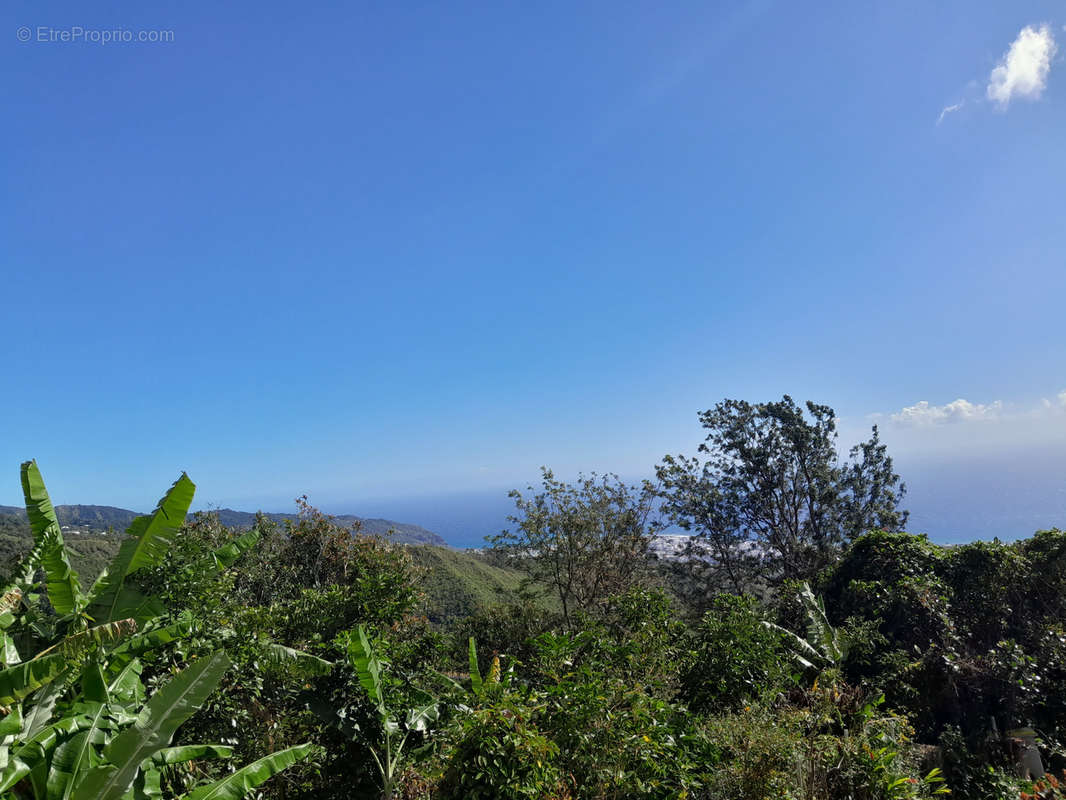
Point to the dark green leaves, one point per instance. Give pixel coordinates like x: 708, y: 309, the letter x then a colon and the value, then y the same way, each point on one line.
x: 23, y: 679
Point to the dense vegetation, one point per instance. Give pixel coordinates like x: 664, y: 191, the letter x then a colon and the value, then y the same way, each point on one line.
x: 804, y: 649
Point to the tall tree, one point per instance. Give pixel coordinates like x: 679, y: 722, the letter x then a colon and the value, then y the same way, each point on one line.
x: 583, y: 542
x: 770, y: 498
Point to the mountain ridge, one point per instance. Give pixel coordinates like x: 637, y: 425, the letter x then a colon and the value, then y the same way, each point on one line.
x: 97, y: 519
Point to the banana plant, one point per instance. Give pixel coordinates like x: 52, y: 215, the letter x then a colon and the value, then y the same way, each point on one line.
x: 73, y: 622
x: 482, y: 687
x: 74, y: 724
x: 824, y: 647
x: 110, y: 598
x: 101, y: 750
x: 494, y: 680
x: 387, y: 746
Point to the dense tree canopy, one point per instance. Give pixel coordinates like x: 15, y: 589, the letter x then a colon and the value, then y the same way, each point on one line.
x: 769, y: 496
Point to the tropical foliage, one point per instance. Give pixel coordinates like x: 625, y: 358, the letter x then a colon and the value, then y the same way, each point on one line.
x: 78, y: 724
x: 824, y: 662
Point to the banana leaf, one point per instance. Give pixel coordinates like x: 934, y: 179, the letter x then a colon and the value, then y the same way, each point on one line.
x: 475, y: 673
x: 145, y: 641
x: 9, y: 654
x: 155, y: 727
x: 147, y: 786
x: 94, y: 683
x: 77, y: 755
x: 77, y: 643
x: 126, y: 685
x: 225, y: 556
x: 190, y: 752
x: 304, y: 663
x: 367, y: 667
x: 10, y: 729
x: 9, y: 601
x: 39, y: 714
x: 243, y: 781
x: 30, y: 757
x: 64, y: 590
x: 819, y: 632
x: 11, y: 724
x: 150, y: 538
x: 421, y: 717
x: 23, y: 679
x: 15, y: 771
x: 801, y: 651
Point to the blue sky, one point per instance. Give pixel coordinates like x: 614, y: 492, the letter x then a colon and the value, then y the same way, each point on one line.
x: 407, y: 249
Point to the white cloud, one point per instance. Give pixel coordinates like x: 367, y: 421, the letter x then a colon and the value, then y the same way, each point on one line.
x: 978, y: 430
x: 1058, y: 403
x: 949, y: 110
x: 922, y: 413
x: 1023, y: 70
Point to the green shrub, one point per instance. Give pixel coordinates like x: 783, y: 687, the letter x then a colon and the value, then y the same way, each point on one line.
x: 734, y: 657
x: 500, y: 752
x: 506, y: 629
x: 761, y: 754
x: 988, y: 592
x: 970, y: 771
x: 309, y: 580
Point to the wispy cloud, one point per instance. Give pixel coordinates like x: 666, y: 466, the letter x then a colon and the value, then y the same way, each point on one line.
x: 949, y: 110
x: 1023, y: 70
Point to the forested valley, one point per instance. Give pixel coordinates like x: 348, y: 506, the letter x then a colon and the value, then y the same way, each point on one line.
x: 803, y: 645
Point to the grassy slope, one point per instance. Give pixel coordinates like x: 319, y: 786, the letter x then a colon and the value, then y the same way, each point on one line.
x: 457, y: 583
x: 89, y: 554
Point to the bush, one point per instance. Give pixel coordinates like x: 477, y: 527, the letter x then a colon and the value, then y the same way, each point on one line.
x: 500, y: 752
x: 619, y: 741
x: 760, y: 754
x: 505, y: 629
x: 306, y: 581
x: 734, y: 657
x: 969, y: 771
x: 988, y: 599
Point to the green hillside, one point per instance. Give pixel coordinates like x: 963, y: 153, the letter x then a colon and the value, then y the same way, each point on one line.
x: 457, y: 583
x: 89, y: 553
x: 99, y: 519
x: 398, y: 532
x: 91, y: 550
x: 95, y: 519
